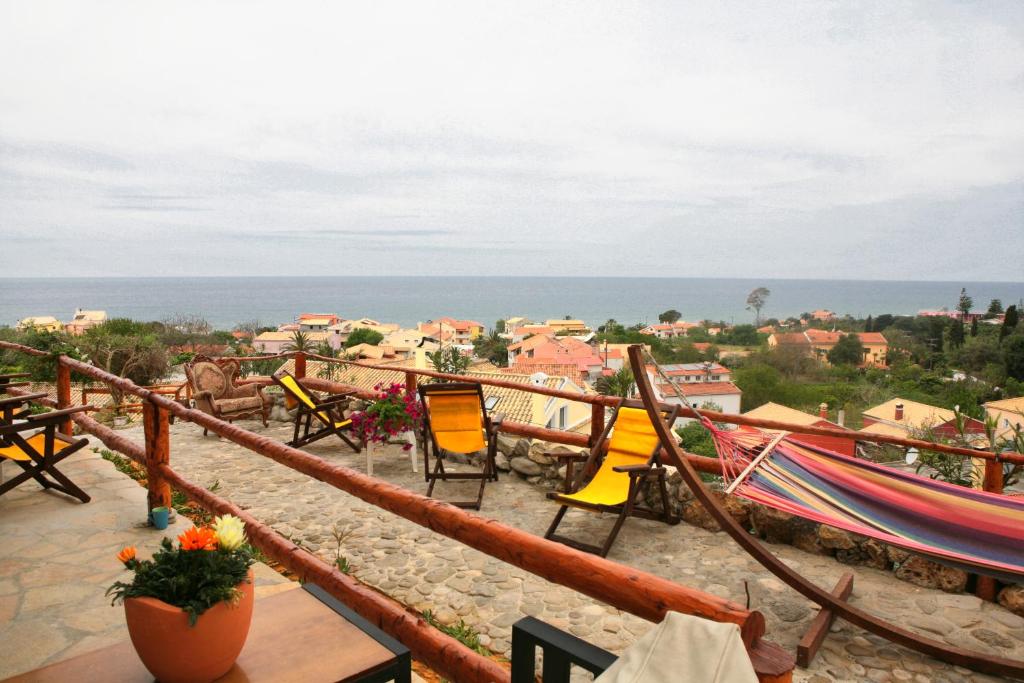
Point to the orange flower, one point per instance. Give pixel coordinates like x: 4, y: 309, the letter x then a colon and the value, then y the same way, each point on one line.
x: 198, y: 538
x: 127, y: 554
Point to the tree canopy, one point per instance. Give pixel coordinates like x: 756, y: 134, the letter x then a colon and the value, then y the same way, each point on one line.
x: 363, y: 335
x: 670, y: 316
x: 756, y: 301
x: 847, y: 351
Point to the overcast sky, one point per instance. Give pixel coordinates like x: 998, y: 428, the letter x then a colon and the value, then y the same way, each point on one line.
x: 819, y: 139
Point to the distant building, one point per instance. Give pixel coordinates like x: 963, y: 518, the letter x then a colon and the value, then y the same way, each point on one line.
x: 900, y: 417
x: 340, y: 330
x: 316, y: 322
x: 568, y: 327
x: 84, y: 320
x: 452, y: 331
x: 520, y: 332
x: 554, y: 350
x: 1008, y: 413
x: 277, y: 342
x: 690, y: 373
x: 780, y: 413
x: 823, y: 314
x: 725, y: 396
x: 40, y: 323
x: 680, y: 328
x: 406, y: 342
x: 817, y: 344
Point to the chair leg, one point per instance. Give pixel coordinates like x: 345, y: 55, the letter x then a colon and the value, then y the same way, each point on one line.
x: 670, y: 517
x: 556, y: 521
x: 433, y: 477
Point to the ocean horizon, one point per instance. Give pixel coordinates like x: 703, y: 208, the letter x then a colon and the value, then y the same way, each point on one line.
x: 227, y: 300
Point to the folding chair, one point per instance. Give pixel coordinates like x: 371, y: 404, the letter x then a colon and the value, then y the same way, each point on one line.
x: 456, y: 421
x: 327, y: 412
x: 632, y: 456
x: 38, y: 454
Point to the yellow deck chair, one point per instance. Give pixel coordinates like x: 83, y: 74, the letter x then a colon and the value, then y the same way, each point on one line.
x: 326, y: 412
x: 631, y: 457
x: 456, y: 421
x: 39, y: 454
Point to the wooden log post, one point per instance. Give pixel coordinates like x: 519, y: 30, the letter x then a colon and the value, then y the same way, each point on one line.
x: 410, y: 383
x: 987, y: 588
x: 64, y: 394
x: 300, y: 364
x: 158, y: 452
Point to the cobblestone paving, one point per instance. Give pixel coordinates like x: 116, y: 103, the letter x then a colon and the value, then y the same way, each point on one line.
x: 57, y: 558
x: 428, y: 571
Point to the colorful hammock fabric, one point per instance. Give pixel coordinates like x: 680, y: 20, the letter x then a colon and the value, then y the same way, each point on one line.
x: 968, y: 528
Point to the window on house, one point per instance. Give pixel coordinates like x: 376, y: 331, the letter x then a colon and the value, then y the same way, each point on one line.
x: 563, y: 417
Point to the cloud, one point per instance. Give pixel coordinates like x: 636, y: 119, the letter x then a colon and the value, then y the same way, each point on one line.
x: 613, y: 138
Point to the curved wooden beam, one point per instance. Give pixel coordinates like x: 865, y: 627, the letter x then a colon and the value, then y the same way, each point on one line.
x: 989, y: 664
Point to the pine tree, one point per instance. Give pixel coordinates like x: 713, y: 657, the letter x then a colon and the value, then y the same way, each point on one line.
x: 869, y: 325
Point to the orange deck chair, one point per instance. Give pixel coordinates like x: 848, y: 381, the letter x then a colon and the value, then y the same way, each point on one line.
x: 632, y: 456
x: 456, y: 421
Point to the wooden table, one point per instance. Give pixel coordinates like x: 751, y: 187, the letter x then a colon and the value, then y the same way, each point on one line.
x: 298, y: 636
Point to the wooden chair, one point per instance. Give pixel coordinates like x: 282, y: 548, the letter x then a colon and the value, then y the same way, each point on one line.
x: 309, y: 407
x: 456, y: 421
x: 215, y: 392
x: 632, y: 456
x: 39, y: 453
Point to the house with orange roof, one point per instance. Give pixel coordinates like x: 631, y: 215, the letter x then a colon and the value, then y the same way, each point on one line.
x: 692, y: 373
x: 568, y: 326
x: 680, y: 328
x: 817, y: 343
x: 901, y: 417
x: 450, y: 330
x: 721, y: 396
x: 823, y: 314
x: 546, y: 349
x: 316, y: 322
x: 781, y: 413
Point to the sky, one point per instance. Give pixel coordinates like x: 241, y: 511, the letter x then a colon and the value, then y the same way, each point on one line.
x: 862, y: 140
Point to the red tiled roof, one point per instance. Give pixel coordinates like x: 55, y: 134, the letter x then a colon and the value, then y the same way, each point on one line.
x: 791, y: 338
x: 527, y: 366
x: 871, y: 338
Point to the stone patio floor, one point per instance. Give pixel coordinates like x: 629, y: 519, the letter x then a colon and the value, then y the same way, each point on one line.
x: 429, y: 571
x: 57, y: 558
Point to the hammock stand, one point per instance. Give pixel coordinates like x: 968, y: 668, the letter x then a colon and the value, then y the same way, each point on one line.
x: 833, y: 604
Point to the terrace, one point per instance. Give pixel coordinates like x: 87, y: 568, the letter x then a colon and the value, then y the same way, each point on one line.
x: 489, y: 569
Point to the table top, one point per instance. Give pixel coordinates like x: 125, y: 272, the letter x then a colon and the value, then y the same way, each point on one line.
x: 294, y: 637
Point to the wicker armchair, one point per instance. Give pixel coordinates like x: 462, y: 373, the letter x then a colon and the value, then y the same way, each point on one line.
x: 215, y: 392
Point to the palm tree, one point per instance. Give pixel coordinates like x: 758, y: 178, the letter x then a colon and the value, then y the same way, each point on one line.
x: 326, y: 370
x: 621, y: 384
x: 300, y: 342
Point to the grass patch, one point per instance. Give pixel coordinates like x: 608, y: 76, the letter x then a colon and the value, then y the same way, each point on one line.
x: 460, y: 631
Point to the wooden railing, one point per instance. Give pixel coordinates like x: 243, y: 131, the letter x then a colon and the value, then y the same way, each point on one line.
x: 640, y: 593
x: 637, y: 592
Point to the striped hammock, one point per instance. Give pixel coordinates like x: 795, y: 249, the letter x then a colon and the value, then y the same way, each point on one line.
x: 971, y: 529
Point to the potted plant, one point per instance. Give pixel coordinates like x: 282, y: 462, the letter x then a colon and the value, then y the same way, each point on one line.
x: 196, y: 598
x: 394, y: 413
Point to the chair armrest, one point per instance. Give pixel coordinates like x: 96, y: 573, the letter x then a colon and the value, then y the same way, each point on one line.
x: 562, y: 455
x: 497, y: 419
x: 563, y: 649
x: 39, y: 418
x: 336, y: 399
x: 18, y: 400
x: 632, y: 469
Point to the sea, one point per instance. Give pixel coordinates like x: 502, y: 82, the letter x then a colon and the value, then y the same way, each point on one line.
x: 226, y: 301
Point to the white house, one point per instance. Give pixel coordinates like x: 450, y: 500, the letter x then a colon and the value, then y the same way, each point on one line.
x: 723, y: 396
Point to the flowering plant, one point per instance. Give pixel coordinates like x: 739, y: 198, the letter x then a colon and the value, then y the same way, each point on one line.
x: 394, y: 411
x: 204, y: 569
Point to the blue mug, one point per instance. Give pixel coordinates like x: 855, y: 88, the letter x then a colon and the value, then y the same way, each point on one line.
x: 160, y: 517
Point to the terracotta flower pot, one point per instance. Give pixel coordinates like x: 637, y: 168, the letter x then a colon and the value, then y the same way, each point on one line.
x: 175, y: 652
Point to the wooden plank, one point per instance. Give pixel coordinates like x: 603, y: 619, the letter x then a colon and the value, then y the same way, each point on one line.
x: 64, y: 395
x: 808, y: 646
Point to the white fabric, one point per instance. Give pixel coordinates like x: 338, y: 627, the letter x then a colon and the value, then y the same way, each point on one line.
x: 682, y: 649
